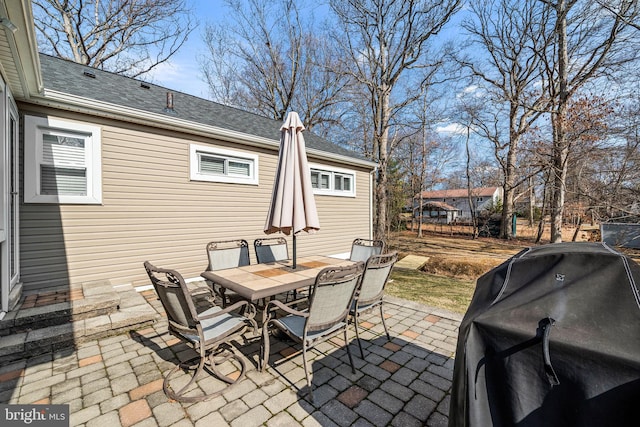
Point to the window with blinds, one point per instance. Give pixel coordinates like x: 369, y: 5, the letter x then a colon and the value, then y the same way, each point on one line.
x: 63, y: 169
x: 220, y: 165
x: 329, y: 181
x: 62, y: 161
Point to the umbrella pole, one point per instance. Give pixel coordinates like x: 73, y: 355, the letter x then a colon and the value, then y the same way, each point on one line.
x: 294, y: 251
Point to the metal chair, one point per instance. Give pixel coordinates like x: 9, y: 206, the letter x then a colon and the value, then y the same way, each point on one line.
x: 208, y: 333
x: 362, y: 249
x: 371, y: 290
x: 223, y: 254
x: 329, y: 303
x: 271, y: 249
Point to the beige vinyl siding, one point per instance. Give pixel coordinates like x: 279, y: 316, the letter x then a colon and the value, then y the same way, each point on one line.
x: 152, y: 211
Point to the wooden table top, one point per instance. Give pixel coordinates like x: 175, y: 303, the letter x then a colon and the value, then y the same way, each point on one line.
x: 258, y: 281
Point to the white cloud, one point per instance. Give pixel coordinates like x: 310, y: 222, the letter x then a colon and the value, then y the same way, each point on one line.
x: 182, y: 74
x: 452, y: 128
x: 472, y: 90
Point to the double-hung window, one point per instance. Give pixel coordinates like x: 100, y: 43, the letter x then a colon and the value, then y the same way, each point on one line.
x: 333, y: 181
x: 62, y: 161
x: 220, y: 165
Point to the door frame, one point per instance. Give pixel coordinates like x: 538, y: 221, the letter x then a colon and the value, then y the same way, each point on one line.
x: 9, y: 200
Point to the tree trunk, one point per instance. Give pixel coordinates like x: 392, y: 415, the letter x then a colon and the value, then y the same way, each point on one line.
x: 561, y: 148
x: 559, y: 180
x: 420, y: 215
x: 381, y: 188
x: 506, y: 231
x: 532, y: 200
x: 472, y: 209
x: 575, y: 233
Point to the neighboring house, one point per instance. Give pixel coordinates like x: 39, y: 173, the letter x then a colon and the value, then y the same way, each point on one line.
x: 448, y: 206
x: 101, y: 172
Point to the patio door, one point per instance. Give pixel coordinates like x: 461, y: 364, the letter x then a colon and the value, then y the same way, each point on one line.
x: 9, y: 202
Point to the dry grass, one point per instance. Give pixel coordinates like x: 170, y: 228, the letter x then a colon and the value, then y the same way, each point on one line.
x: 448, y: 278
x: 469, y: 269
x: 455, y: 262
x: 436, y: 291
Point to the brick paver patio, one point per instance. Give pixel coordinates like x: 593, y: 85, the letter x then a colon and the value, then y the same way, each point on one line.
x: 117, y: 381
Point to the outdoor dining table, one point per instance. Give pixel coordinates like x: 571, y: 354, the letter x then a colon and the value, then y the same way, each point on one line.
x: 257, y: 282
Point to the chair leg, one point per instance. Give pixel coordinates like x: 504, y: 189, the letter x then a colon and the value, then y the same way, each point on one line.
x: 265, y: 346
x: 223, y: 297
x: 355, y: 325
x: 226, y: 354
x: 384, y: 323
x: 306, y: 371
x: 293, y: 294
x: 213, y: 365
x: 177, y: 395
x: 346, y: 344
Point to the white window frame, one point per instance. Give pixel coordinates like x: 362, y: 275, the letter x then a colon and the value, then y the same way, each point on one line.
x: 194, y: 165
x: 34, y: 128
x: 332, y: 172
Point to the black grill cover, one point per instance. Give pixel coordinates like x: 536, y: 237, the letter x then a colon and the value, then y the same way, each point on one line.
x: 551, y: 338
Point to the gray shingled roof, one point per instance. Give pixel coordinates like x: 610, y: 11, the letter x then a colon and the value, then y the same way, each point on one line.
x: 68, y: 77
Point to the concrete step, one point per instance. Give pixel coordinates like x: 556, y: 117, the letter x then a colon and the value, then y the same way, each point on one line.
x: 94, y: 310
x: 58, y: 306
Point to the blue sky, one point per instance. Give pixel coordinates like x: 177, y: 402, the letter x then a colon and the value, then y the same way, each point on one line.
x: 182, y: 73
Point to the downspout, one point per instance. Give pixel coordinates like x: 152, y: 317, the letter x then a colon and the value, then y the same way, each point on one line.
x: 371, y: 181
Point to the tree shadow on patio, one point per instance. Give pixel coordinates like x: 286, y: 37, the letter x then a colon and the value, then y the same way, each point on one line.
x: 405, y: 381
x: 170, y: 351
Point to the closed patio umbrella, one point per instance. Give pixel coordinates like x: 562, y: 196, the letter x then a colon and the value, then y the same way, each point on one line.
x: 293, y: 207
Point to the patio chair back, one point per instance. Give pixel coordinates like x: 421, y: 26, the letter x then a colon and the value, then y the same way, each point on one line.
x: 331, y: 296
x: 175, y: 298
x: 224, y: 254
x: 362, y: 249
x: 271, y: 249
x: 375, y: 276
x: 369, y: 295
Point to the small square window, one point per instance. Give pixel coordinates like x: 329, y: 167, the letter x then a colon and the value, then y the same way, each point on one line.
x: 342, y: 182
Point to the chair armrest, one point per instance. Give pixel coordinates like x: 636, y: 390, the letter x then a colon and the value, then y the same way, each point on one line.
x: 285, y: 307
x: 233, y: 307
x: 201, y: 290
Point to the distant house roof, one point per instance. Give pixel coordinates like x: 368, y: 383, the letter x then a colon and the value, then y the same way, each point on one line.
x: 459, y: 193
x: 65, y: 77
x: 437, y: 206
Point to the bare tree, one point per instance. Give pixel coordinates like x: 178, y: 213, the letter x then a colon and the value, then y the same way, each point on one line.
x: 627, y: 16
x: 510, y: 34
x: 472, y: 207
x: 382, y: 40
x: 607, y: 175
x: 271, y: 61
x: 589, y: 42
x: 128, y: 37
x: 424, y: 156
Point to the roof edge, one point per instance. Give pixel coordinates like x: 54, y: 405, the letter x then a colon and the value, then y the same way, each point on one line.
x: 65, y: 101
x: 28, y: 60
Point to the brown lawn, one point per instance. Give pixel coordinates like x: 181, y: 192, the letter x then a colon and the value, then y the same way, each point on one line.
x: 455, y: 261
